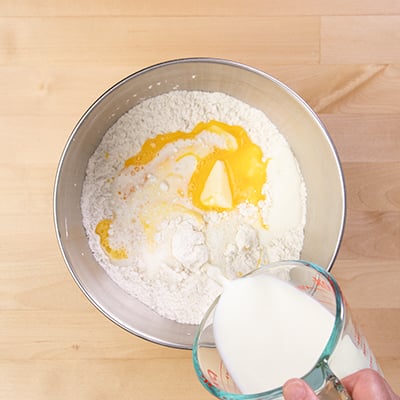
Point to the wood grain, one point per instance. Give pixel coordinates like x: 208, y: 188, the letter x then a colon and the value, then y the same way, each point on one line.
x: 365, y: 137
x: 374, y: 39
x: 57, y: 57
x: 107, y: 39
x: 205, y: 8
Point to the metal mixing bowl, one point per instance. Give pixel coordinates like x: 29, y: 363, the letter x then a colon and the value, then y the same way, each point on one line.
x: 304, y: 131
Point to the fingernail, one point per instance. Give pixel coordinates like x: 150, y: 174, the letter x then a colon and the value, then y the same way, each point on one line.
x: 294, y: 390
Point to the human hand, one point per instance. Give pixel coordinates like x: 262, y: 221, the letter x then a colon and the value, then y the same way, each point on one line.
x: 366, y: 384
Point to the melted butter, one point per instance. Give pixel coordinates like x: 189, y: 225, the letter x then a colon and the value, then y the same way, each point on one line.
x: 243, y: 161
x: 102, y: 229
x: 152, y: 146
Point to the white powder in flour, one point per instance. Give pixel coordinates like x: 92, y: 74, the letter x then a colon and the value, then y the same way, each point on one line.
x: 170, y: 244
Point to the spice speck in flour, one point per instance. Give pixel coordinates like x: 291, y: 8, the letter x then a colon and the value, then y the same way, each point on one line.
x: 184, y: 183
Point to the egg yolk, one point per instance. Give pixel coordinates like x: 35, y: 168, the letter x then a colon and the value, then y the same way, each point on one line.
x: 246, y: 171
x: 102, y: 229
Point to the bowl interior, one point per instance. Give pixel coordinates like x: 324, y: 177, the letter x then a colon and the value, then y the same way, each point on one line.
x: 295, y: 120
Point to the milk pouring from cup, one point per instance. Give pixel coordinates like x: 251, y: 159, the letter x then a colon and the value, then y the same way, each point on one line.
x: 281, y: 321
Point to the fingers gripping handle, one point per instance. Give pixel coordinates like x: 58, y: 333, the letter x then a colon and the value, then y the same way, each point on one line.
x: 333, y: 390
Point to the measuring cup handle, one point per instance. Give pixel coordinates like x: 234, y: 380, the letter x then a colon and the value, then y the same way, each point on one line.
x: 333, y: 390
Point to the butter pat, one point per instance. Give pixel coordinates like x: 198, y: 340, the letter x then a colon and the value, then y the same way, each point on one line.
x: 217, y: 190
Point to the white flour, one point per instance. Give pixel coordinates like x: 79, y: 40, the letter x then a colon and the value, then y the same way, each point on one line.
x: 168, y: 261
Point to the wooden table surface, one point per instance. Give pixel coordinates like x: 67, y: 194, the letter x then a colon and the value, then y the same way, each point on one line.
x: 57, y: 57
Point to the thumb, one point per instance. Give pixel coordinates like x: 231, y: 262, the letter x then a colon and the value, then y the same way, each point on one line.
x: 296, y: 389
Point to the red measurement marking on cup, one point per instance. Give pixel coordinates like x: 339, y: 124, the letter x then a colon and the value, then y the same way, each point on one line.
x: 318, y: 283
x: 371, y: 361
x: 358, y: 338
x: 319, y: 289
x: 321, y: 284
x: 213, y: 378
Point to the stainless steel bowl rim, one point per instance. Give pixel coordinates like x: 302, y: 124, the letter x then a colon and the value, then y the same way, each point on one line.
x: 208, y: 60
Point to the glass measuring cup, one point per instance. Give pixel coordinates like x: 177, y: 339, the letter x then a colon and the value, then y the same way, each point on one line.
x: 345, y: 352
